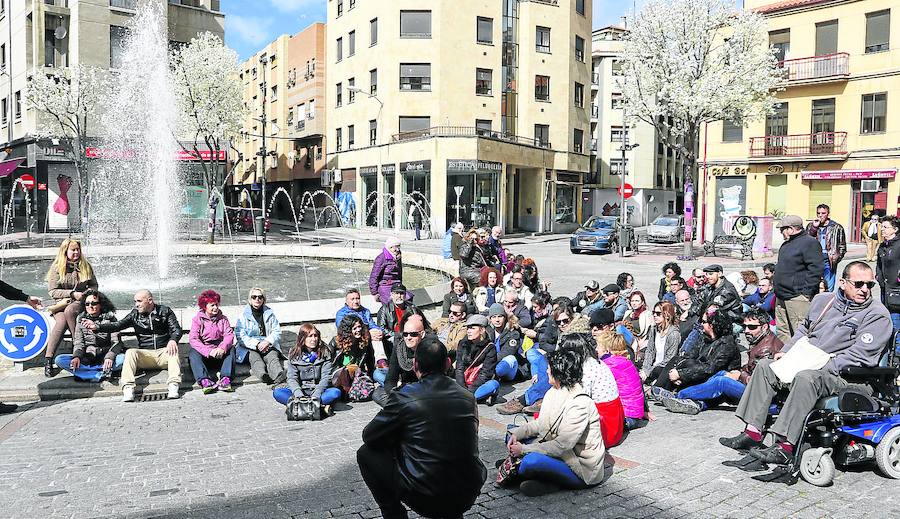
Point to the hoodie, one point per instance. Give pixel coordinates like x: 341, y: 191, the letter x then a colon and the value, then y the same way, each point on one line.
x: 208, y: 333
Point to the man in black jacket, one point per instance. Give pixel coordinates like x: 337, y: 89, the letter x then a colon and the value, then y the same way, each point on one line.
x: 388, y: 318
x: 158, y: 332
x: 797, y: 275
x: 422, y: 448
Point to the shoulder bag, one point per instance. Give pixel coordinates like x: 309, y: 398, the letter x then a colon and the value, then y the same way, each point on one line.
x: 303, y: 408
x: 474, y: 368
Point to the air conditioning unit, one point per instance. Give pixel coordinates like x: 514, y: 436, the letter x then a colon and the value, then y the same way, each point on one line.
x: 337, y: 176
x: 326, y: 177
x: 870, y: 186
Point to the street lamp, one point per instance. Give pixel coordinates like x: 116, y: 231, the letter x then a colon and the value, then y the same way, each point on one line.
x: 622, y: 212
x: 379, y: 206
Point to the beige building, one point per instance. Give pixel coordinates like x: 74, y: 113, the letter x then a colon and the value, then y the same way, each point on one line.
x: 54, y: 34
x: 649, y: 166
x: 472, y: 110
x: 833, y: 136
x: 286, y: 79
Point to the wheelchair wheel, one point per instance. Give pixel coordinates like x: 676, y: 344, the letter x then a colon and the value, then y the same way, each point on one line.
x: 819, y: 473
x: 887, y: 454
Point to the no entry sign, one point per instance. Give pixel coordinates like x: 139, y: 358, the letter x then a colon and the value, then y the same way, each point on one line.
x: 27, y: 181
x: 626, y: 191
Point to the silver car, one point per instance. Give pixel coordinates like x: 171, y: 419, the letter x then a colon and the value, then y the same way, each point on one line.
x: 667, y: 228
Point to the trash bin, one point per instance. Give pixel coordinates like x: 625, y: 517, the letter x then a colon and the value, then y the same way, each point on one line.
x: 258, y: 225
x: 627, y: 233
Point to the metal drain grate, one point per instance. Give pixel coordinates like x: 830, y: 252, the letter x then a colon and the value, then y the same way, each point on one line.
x: 153, y: 397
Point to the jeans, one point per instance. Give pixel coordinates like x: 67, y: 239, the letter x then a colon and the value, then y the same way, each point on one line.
x: 829, y: 276
x: 507, y: 368
x: 206, y: 367
x: 715, y: 388
x: 895, y: 318
x: 283, y: 394
x: 380, y: 376
x: 552, y: 470
x: 92, y: 372
x: 692, y: 340
x: 539, y: 369
x: 635, y: 423
x: 487, y: 389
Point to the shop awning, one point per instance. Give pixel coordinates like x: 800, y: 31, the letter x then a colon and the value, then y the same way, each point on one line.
x: 8, y: 166
x: 849, y: 174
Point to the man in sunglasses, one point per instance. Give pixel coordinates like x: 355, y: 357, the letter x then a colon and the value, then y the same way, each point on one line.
x: 850, y: 326
x: 797, y: 276
x: 452, y: 329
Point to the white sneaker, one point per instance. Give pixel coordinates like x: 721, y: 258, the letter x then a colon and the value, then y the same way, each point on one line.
x: 128, y: 394
x: 173, y: 391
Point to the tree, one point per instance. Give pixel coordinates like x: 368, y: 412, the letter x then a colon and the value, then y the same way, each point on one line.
x: 210, y: 97
x: 690, y: 62
x: 68, y: 98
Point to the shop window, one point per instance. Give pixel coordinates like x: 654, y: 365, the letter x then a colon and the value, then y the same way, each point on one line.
x: 565, y: 204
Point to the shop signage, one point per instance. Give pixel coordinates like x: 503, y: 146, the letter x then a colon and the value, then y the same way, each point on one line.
x: 388, y: 169
x: 473, y: 165
x: 181, y: 155
x: 417, y: 166
x: 727, y: 170
x: 368, y: 170
x: 849, y: 174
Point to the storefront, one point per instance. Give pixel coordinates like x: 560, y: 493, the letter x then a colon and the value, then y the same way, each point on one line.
x: 869, y: 193
x: 416, y: 191
x: 473, y: 187
x: 389, y: 196
x: 369, y: 195
x: 568, y: 194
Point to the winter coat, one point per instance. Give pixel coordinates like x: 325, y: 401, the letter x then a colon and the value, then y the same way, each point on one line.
x: 467, y: 353
x: 835, y: 241
x: 153, y: 330
x: 310, y: 378
x: 208, y: 333
x: 387, y: 317
x: 455, y: 242
x: 673, y: 341
x: 92, y: 347
x: 453, y: 297
x: 364, y: 358
x: 60, y: 289
x: 799, y: 268
x: 247, y: 332
x: 766, y: 348
x: 450, y: 334
x: 581, y: 301
x: 631, y: 391
x: 865, y: 231
x: 472, y: 258
x: 508, y: 342
x: 386, y: 271
x: 581, y: 323
x: 707, y: 359
x: 887, y: 268
x: 481, y: 295
x: 619, y: 307
x: 725, y: 297
x: 523, y: 315
x: 401, y: 372
x: 363, y: 313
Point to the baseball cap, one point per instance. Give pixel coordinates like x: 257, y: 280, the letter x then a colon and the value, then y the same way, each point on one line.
x: 593, y: 285
x: 398, y: 287
x: 477, y: 320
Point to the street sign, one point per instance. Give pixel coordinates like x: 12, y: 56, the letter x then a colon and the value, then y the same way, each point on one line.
x: 27, y: 181
x: 626, y: 191
x: 24, y: 332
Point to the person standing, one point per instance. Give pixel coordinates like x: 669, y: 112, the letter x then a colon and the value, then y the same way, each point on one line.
x: 421, y: 449
x: 871, y: 231
x: 415, y: 216
x: 832, y: 240
x: 472, y: 256
x: 387, y: 270
x: 887, y: 270
x: 457, y: 240
x: 797, y: 276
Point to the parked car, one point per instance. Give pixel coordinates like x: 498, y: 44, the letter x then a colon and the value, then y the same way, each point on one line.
x: 667, y: 228
x: 598, y: 234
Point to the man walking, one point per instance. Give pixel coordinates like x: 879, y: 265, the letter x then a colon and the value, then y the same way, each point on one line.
x: 797, y: 276
x: 871, y: 231
x: 831, y: 238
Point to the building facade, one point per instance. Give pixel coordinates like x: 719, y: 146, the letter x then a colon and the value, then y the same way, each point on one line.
x: 472, y: 111
x: 653, y: 169
x: 832, y: 138
x: 50, y: 35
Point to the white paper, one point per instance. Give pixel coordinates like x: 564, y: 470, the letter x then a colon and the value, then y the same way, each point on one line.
x: 802, y: 356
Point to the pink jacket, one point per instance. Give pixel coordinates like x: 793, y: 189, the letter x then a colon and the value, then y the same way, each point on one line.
x: 631, y: 391
x: 208, y: 333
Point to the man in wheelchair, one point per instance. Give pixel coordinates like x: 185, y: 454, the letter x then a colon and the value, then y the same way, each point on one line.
x: 851, y: 328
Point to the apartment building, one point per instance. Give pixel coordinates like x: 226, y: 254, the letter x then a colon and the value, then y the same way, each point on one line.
x: 472, y: 111
x: 650, y: 167
x: 47, y: 35
x: 287, y: 80
x: 833, y: 135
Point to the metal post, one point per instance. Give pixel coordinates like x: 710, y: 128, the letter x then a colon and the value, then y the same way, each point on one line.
x: 262, y: 153
x: 622, y: 212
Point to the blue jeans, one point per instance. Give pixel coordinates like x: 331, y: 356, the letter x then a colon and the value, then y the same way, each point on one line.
x: 283, y: 394
x: 507, y: 368
x: 380, y: 376
x: 206, y: 367
x: 538, y: 368
x: 829, y: 276
x: 89, y: 373
x: 715, y: 388
x: 693, y: 339
x: 545, y: 468
x: 487, y: 389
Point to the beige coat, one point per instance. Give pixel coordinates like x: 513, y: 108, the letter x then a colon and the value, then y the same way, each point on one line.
x: 60, y: 289
x: 575, y: 439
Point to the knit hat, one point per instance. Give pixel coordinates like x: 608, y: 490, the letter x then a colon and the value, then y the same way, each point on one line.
x: 602, y: 317
x: 496, y: 309
x: 392, y: 241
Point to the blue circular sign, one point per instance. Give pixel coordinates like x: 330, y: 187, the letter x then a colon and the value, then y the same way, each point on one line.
x: 24, y: 332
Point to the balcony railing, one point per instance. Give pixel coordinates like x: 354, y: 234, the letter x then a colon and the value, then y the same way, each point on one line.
x: 816, y: 67
x: 822, y: 143
x: 124, y: 4
x: 466, y: 131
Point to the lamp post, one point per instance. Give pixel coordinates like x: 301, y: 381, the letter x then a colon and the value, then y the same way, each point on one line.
x: 623, y: 214
x: 379, y: 206
x: 263, y: 60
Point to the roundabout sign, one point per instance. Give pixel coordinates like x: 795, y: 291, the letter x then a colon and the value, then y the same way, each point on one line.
x: 24, y: 332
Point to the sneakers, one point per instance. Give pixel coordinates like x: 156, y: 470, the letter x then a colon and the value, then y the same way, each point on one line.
x: 534, y: 488
x: 225, y: 385
x: 774, y: 455
x: 658, y: 394
x: 682, y: 405
x: 7, y: 408
x: 173, y: 391
x: 741, y: 442
x: 128, y: 394
x: 533, y: 408
x: 511, y: 407
x: 206, y: 385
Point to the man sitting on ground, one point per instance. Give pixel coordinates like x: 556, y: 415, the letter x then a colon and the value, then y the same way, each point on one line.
x: 517, y: 287
x: 611, y: 300
x: 514, y: 308
x: 719, y: 293
x: 686, y: 319
x: 389, y: 315
x: 850, y: 326
x: 452, y: 329
x: 675, y: 285
x: 587, y: 297
x: 764, y: 298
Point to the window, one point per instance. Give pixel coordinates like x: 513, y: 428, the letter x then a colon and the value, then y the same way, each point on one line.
x: 117, y: 37
x: 351, y: 43
x: 781, y: 40
x: 579, y: 49
x: 415, y: 24
x: 617, y: 167
x: 823, y: 115
x: 351, y: 134
x: 578, y: 141
x: 352, y: 4
x: 579, y: 7
x: 3, y: 104
x: 415, y: 76
x: 18, y: 105
x: 3, y: 56
x: 579, y: 95
x: 776, y: 122
x: 373, y: 81
x: 874, y: 113
x: 337, y: 139
x: 339, y: 49
x: 485, y: 30
x: 274, y: 127
x: 483, y: 127
x: 826, y: 37
x: 339, y: 92
x: 878, y: 31
x: 351, y: 90
x: 542, y: 88
x: 373, y: 31
x: 617, y: 67
x: 340, y: 11
x: 732, y: 132
x: 542, y: 135
x: 274, y: 94
x: 618, y: 102
x: 373, y: 132
x: 542, y: 39
x: 618, y: 134
x: 414, y: 124
x: 312, y: 109
x: 483, y: 81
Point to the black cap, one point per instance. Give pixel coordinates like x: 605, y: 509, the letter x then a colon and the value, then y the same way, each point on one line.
x: 602, y: 317
x: 398, y: 287
x: 715, y: 267
x: 612, y: 288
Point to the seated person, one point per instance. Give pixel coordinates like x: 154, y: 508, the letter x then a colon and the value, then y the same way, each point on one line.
x: 258, y: 335
x: 352, y: 347
x: 514, y: 308
x: 850, y: 325
x: 422, y: 448
x: 451, y: 330
x: 589, y: 296
x: 598, y: 383
x: 675, y: 284
x: 212, y: 345
x: 353, y: 305
x: 686, y: 319
x: 309, y: 367
x: 518, y: 288
x: 158, y: 332
x: 603, y: 319
x: 400, y: 367
x: 511, y: 362
x: 568, y: 450
x: 763, y: 298
x: 389, y: 315
x: 613, y: 352
x: 540, y: 316
x: 489, y: 291
x: 476, y: 360
x: 612, y: 300
x: 729, y: 385
x: 95, y: 355
x: 459, y: 291
x: 663, y: 340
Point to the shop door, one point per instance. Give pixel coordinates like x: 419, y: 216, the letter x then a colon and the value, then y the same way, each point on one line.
x: 865, y: 204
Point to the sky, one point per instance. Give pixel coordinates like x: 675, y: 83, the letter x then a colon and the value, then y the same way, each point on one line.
x: 251, y: 24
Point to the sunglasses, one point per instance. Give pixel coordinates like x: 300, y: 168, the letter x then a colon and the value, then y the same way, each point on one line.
x: 657, y: 312
x: 413, y: 334
x: 91, y: 303
x: 752, y: 326
x: 860, y: 284
x: 563, y: 321
x: 457, y: 313
x: 257, y: 296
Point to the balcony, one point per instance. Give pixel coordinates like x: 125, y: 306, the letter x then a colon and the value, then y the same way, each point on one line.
x: 806, y: 145
x: 595, y: 80
x: 467, y: 131
x: 830, y: 67
x: 595, y: 113
x: 594, y: 145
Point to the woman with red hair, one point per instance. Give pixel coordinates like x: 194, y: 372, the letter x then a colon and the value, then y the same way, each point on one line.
x: 212, y: 345
x: 490, y: 289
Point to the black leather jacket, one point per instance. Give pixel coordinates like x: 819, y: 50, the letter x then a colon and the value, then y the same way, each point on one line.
x: 387, y: 318
x: 724, y: 296
x: 707, y: 359
x: 153, y: 330
x: 432, y: 425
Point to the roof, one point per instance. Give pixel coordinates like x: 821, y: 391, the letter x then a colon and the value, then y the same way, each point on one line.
x: 787, y: 4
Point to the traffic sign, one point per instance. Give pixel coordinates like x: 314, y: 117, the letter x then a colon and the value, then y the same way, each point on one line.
x: 24, y: 332
x: 627, y: 190
x: 27, y: 181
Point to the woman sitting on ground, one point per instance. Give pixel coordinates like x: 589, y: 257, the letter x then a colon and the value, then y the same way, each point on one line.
x: 69, y: 276
x: 670, y: 271
x: 489, y: 290
x: 511, y: 363
x: 626, y: 283
x: 568, y: 450
x: 459, y: 291
x: 309, y: 366
x: 663, y: 340
x: 352, y: 347
x: 613, y: 352
x: 212, y: 345
x: 476, y: 359
x: 641, y: 320
x: 95, y: 355
x: 258, y: 335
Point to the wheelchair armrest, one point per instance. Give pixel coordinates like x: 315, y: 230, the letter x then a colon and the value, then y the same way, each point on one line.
x: 860, y: 372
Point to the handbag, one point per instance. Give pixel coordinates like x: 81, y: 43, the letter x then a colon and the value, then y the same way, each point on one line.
x: 303, y: 408
x: 472, y: 371
x: 362, y: 388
